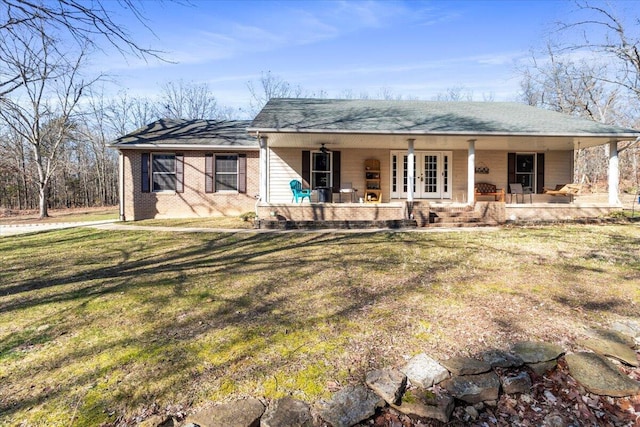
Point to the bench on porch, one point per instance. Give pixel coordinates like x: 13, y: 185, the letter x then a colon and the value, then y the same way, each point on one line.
x: 568, y: 190
x: 486, y: 189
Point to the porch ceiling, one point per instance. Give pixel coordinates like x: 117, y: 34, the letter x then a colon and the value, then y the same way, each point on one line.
x: 338, y: 141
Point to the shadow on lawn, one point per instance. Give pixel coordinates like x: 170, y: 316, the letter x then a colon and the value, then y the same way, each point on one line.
x: 223, y: 334
x: 263, y: 308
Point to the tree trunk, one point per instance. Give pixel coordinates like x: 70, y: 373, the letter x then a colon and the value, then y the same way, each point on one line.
x: 44, y: 211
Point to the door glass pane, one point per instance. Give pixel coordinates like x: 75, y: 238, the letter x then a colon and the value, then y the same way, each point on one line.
x: 430, y: 174
x: 394, y: 173
x: 445, y: 174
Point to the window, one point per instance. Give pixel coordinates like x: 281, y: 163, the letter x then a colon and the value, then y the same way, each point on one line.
x: 163, y: 172
x: 225, y: 173
x: 321, y: 170
x: 525, y: 169
x: 226, y: 167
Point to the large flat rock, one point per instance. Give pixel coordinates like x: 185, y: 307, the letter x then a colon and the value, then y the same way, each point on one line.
x: 629, y: 328
x: 502, y: 359
x: 424, y: 371
x: 287, y: 412
x: 600, y: 376
x: 613, y: 334
x: 239, y: 413
x: 349, y: 406
x: 474, y: 388
x: 387, y: 383
x: 611, y: 348
x: 536, y: 352
x: 466, y: 366
x: 426, y: 404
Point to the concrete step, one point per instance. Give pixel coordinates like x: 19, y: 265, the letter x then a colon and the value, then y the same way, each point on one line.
x: 451, y: 220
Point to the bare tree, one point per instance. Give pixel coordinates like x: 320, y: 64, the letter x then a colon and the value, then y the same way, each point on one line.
x: 188, y: 100
x: 594, y: 73
x: 40, y: 112
x: 270, y: 86
x: 619, y: 42
x: 125, y: 114
x: 559, y: 83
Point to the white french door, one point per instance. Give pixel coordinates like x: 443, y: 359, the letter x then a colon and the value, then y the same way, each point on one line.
x: 432, y: 172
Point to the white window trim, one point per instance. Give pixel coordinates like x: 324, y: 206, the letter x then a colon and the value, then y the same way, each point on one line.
x: 535, y: 167
x: 312, y: 170
x: 215, y: 173
x: 174, y: 173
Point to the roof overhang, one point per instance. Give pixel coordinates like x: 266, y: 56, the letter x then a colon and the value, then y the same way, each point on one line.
x: 184, y: 147
x: 297, y: 138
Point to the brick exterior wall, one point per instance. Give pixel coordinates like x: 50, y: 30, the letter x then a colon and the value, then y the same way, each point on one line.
x: 194, y: 201
x: 333, y: 212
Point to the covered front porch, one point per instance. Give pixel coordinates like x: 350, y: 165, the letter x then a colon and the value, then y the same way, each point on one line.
x: 424, y: 161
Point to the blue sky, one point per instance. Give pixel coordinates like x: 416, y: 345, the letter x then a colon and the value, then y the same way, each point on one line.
x: 410, y: 48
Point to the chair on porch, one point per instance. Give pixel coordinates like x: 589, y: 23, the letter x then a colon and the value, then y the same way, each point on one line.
x: 517, y: 189
x: 298, y: 193
x: 347, y: 188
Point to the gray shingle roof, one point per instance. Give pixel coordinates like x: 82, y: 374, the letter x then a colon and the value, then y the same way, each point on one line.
x: 423, y: 117
x: 196, y: 133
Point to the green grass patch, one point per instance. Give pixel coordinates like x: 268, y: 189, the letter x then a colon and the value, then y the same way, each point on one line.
x: 64, y: 215
x: 211, y: 222
x: 99, y: 327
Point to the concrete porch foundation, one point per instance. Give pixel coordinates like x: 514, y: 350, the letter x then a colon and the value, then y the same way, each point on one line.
x: 421, y: 213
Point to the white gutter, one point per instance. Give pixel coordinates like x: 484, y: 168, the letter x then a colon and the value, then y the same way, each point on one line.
x: 148, y: 146
x: 430, y: 133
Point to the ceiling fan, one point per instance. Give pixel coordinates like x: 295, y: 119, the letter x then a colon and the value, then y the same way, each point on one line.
x: 323, y: 149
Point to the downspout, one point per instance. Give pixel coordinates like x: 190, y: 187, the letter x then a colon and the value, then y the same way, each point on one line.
x: 263, y: 171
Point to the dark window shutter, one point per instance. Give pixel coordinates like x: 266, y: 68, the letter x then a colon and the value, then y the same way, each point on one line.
x: 179, y: 173
x: 242, y: 173
x: 336, y: 171
x: 145, y: 182
x: 511, y: 169
x: 540, y: 174
x: 208, y: 173
x: 306, y: 169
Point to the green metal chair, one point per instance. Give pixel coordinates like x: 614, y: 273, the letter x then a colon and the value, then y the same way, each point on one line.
x: 298, y: 193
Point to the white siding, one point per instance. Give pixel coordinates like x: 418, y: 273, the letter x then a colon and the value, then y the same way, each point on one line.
x: 285, y: 164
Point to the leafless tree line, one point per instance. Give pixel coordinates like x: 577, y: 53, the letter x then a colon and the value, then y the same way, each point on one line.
x: 590, y: 67
x: 55, y: 121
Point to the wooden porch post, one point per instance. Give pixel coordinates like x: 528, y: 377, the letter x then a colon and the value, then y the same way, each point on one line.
x: 471, y: 172
x: 411, y: 178
x: 614, y: 173
x: 264, y: 162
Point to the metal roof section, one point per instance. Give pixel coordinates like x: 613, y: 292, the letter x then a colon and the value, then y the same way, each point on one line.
x: 301, y: 115
x: 190, y: 134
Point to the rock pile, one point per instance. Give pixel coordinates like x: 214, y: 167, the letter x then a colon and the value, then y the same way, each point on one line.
x: 426, y: 388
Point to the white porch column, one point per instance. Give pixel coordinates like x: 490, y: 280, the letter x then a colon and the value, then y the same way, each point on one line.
x: 614, y: 173
x: 411, y: 161
x: 471, y: 171
x: 264, y: 172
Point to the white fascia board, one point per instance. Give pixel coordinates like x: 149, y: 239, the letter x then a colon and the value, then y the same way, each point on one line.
x: 618, y: 136
x: 183, y: 147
